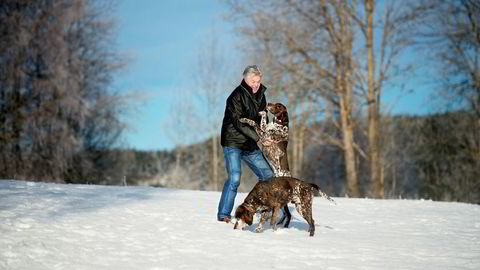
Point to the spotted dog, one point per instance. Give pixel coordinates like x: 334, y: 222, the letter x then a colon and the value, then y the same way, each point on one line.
x: 274, y: 195
x: 277, y: 131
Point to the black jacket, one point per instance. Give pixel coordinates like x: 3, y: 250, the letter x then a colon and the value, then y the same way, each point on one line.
x: 242, y: 103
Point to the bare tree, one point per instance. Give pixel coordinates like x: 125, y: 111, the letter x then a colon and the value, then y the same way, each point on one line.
x: 57, y: 112
x: 316, y: 45
x: 451, y: 34
x: 179, y: 127
x: 454, y: 43
x: 201, y: 108
x: 302, y: 39
x: 212, y: 74
x: 372, y: 105
x: 392, y: 20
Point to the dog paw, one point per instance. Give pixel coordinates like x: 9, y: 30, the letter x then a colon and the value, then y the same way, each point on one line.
x: 259, y: 230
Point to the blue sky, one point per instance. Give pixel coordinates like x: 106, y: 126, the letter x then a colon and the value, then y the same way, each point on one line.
x: 160, y: 38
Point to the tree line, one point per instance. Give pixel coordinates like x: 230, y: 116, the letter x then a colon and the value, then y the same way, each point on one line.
x: 427, y: 157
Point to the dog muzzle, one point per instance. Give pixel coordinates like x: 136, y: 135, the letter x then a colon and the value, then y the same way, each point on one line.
x: 239, y: 225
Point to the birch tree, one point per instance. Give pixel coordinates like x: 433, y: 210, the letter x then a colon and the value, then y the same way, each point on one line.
x: 212, y: 74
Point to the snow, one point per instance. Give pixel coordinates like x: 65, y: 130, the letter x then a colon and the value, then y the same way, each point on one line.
x: 52, y: 226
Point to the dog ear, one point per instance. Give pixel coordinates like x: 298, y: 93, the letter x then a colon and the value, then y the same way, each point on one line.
x: 248, y: 216
x: 283, y: 117
x: 239, y: 212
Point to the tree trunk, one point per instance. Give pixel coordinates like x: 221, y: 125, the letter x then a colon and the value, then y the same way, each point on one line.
x: 307, y: 114
x: 215, y: 163
x: 295, y: 132
x: 349, y: 151
x: 376, y: 180
x: 344, y: 73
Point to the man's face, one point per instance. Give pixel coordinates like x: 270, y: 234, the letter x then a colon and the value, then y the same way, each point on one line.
x: 253, y: 81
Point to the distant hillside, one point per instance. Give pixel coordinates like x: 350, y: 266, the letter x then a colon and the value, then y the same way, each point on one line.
x: 423, y: 156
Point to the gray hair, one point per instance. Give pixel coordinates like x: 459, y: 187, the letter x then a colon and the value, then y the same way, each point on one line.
x: 253, y: 69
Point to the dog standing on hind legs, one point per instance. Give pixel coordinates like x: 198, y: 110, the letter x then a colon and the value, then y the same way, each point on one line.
x: 277, y: 131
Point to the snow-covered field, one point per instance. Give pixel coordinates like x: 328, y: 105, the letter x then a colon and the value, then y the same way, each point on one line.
x: 50, y: 226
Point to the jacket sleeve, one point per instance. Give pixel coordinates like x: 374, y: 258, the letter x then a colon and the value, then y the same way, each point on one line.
x: 235, y: 108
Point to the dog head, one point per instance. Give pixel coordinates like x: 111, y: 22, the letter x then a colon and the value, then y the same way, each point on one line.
x: 280, y: 112
x: 244, y: 216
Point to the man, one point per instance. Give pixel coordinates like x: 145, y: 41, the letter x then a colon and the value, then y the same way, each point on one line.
x: 240, y: 140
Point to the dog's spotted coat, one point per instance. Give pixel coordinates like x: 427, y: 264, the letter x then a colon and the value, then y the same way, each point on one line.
x: 275, y: 195
x: 277, y: 131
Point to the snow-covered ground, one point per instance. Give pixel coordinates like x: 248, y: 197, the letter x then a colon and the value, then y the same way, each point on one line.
x: 51, y: 226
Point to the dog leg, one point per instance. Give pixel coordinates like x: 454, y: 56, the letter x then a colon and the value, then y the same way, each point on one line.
x: 252, y: 123
x: 263, y: 121
x: 273, y: 222
x: 306, y: 211
x: 260, y: 224
x: 312, y: 228
x: 311, y: 224
x: 248, y: 121
x: 277, y: 165
x: 286, y: 216
x: 282, y: 219
x: 271, y: 162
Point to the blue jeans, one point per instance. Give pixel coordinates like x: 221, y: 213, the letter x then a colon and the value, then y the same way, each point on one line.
x: 233, y: 156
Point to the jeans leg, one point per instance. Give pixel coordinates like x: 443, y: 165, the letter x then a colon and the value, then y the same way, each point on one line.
x: 229, y: 192
x: 259, y: 165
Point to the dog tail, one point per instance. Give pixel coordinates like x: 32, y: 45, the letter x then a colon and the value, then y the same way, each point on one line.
x: 322, y: 194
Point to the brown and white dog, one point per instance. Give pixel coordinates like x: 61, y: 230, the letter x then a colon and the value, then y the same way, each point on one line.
x: 277, y: 131
x: 274, y: 195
